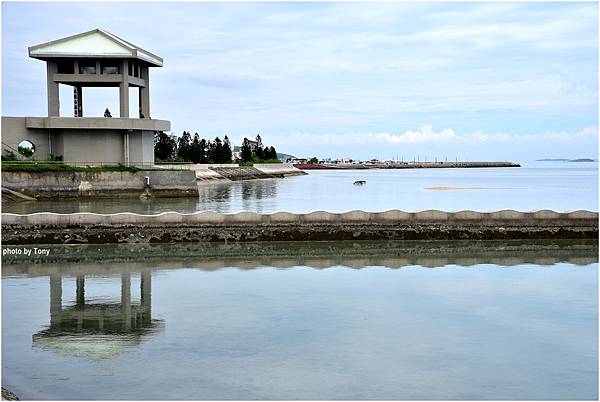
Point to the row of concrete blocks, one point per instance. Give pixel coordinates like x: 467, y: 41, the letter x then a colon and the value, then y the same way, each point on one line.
x: 316, y: 217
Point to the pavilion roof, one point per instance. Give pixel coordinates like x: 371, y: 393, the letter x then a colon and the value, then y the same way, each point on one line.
x: 96, y: 43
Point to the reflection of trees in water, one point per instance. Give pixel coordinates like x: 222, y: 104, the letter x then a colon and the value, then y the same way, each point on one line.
x: 226, y: 197
x: 255, y: 190
x: 214, y: 197
x: 259, y: 189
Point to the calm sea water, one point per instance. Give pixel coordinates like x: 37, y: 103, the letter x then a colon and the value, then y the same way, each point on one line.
x: 559, y: 186
x: 501, y: 325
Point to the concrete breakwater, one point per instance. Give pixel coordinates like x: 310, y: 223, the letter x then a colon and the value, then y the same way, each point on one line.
x: 234, y: 172
x: 73, y: 184
x: 208, y: 226
x: 407, y: 165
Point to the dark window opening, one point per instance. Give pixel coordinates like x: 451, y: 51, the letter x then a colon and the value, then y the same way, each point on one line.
x: 130, y: 67
x: 65, y: 67
x: 109, y: 67
x: 87, y: 67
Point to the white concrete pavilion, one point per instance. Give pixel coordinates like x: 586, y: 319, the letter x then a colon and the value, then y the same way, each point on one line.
x: 95, y: 58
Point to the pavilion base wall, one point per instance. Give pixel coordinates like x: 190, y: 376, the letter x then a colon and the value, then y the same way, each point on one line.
x: 84, y: 146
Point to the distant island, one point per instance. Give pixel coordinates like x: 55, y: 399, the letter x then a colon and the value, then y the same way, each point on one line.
x: 284, y: 157
x: 566, y: 160
x: 583, y: 160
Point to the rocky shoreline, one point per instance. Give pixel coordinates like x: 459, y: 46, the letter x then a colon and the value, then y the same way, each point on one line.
x: 103, y: 234
x: 8, y: 396
x: 234, y: 172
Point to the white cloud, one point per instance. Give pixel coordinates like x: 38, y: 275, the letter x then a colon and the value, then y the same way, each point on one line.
x: 588, y: 132
x: 428, y: 135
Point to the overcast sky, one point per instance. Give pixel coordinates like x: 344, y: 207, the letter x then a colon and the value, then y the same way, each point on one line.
x: 488, y: 81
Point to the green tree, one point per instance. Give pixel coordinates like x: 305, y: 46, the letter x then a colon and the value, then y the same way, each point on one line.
x: 313, y: 160
x: 245, y: 151
x: 184, y: 147
x: 226, y: 158
x: 217, y: 151
x: 259, y: 152
x: 195, y: 150
x: 165, y: 147
x: 203, y: 151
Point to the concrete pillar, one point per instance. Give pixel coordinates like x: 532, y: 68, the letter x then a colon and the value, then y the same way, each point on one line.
x: 146, y: 302
x: 53, y: 96
x: 144, y: 100
x: 55, y: 301
x: 126, y: 301
x: 126, y: 148
x: 80, y: 291
x: 79, y: 93
x: 124, y: 90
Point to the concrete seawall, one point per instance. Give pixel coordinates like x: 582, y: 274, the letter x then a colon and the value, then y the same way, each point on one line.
x: 407, y: 165
x: 208, y: 226
x: 285, y: 169
x: 69, y: 184
x: 234, y: 172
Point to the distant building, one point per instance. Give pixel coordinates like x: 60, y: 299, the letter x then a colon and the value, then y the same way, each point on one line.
x: 252, y: 144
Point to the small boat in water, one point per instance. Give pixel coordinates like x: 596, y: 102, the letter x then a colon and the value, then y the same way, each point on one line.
x: 360, y: 182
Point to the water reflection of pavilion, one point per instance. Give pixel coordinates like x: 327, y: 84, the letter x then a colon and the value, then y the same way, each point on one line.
x: 98, y: 330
